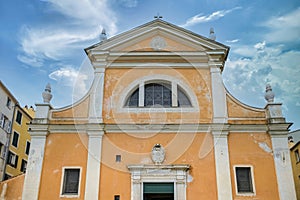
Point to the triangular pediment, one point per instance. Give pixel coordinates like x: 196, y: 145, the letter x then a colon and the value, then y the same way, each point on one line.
x: 158, y: 35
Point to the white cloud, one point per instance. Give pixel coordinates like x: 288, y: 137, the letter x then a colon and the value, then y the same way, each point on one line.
x: 233, y: 41
x: 244, y: 50
x: 82, y: 25
x: 200, y: 18
x: 47, y: 43
x: 285, y: 28
x: 67, y: 75
x: 128, y: 3
x: 260, y: 45
x: 267, y: 64
x: 79, y: 80
x: 31, y: 61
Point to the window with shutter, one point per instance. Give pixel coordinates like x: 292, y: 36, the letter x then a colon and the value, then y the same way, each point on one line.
x: 244, y: 182
x: 71, y: 181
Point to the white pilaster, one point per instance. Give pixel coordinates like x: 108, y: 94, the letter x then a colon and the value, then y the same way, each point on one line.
x: 93, y: 165
x: 278, y: 130
x: 218, y: 96
x: 222, y: 165
x: 283, y: 167
x: 136, y: 191
x: 96, y: 96
x: 38, y: 131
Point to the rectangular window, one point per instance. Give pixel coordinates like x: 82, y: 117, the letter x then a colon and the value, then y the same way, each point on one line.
x: 2, y: 150
x: 15, y: 139
x: 117, y: 197
x: 8, y: 103
x: 19, y: 117
x: 5, y: 123
x: 2, y: 120
x: 71, y: 182
x: 12, y: 159
x: 27, y: 147
x: 244, y: 181
x: 23, y: 166
x: 297, y: 156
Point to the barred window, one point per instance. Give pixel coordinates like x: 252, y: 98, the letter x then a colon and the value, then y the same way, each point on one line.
x: 158, y: 94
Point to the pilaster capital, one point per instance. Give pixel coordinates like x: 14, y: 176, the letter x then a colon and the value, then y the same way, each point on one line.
x: 95, y: 133
x: 220, y: 134
x: 279, y: 130
x: 214, y: 69
x: 100, y: 70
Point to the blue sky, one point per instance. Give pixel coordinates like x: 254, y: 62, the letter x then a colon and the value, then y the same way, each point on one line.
x: 43, y: 41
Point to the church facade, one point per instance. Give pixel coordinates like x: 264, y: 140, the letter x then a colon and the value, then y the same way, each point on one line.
x: 158, y: 123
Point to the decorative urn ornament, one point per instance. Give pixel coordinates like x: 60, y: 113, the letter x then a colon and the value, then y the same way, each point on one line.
x: 269, y: 95
x: 47, y: 96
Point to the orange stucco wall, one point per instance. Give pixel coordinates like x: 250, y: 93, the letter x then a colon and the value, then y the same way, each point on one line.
x: 62, y: 150
x: 117, y: 79
x: 245, y: 149
x: 69, y: 114
x: 171, y: 45
x: 14, y: 187
x: 238, y: 112
x: 181, y: 148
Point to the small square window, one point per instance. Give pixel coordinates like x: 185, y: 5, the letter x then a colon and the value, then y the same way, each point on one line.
x: 117, y: 197
x: 244, y: 180
x: 15, y: 139
x: 71, y: 181
x: 19, y: 117
x: 118, y: 158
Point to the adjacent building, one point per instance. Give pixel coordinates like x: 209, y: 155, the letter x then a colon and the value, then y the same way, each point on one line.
x: 7, y: 106
x: 294, y: 139
x: 19, y: 142
x: 158, y: 123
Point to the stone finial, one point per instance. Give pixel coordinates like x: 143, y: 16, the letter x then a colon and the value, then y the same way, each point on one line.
x: 47, y: 96
x: 212, y: 35
x: 103, y: 36
x: 269, y: 95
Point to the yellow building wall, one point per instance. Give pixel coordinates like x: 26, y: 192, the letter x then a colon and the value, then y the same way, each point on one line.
x: 24, y: 136
x: 244, y: 149
x: 62, y: 150
x: 296, y: 168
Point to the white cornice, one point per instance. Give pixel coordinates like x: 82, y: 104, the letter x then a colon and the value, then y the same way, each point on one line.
x: 148, y: 128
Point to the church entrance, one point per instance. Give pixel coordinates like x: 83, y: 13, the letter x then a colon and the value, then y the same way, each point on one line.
x: 158, y: 191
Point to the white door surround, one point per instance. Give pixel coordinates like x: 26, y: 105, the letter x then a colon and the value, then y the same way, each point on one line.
x: 157, y: 174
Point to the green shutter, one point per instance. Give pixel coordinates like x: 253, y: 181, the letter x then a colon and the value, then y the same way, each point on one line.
x: 158, y: 188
